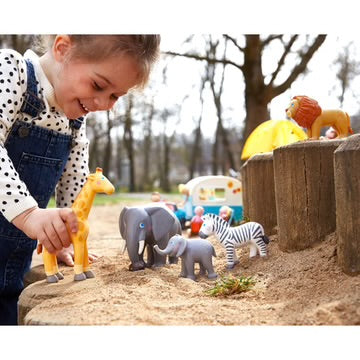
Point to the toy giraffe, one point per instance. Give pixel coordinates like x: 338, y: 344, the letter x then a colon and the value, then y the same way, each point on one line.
x: 96, y: 183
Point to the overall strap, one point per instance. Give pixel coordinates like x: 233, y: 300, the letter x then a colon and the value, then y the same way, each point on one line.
x: 76, y: 123
x: 32, y: 104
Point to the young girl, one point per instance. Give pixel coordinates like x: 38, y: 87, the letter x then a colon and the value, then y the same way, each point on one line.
x: 43, y: 145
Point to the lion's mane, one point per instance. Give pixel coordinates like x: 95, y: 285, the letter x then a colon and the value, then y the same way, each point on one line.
x: 308, y: 111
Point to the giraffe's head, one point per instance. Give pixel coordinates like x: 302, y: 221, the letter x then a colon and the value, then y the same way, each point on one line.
x: 99, y: 183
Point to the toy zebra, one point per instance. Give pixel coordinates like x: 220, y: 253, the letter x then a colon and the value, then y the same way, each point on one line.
x: 251, y: 233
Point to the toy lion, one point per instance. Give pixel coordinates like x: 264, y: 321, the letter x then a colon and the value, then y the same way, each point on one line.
x: 308, y: 114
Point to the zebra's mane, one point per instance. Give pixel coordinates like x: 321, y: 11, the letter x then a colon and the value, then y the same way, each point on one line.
x: 218, y: 221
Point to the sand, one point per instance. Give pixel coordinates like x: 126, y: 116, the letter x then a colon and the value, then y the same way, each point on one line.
x: 301, y: 288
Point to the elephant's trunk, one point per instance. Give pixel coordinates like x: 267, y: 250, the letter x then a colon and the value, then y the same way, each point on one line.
x: 135, y: 250
x: 166, y: 251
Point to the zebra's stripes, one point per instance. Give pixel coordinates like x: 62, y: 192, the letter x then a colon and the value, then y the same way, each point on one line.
x: 251, y: 233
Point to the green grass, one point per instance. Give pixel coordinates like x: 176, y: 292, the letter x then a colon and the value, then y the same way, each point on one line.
x: 230, y: 285
x: 125, y: 198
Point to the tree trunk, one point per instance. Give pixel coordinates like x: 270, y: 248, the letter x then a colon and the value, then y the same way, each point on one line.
x: 107, y: 156
x: 347, y: 185
x: 166, y: 167
x: 129, y: 145
x: 305, y: 192
x: 256, y: 113
x: 146, y: 182
x: 195, y: 152
x: 257, y: 176
x: 93, y: 151
x: 118, y: 158
x: 215, y: 155
x: 256, y: 99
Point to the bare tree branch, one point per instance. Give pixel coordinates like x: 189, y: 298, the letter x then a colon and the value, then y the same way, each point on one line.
x: 205, y: 58
x: 270, y: 38
x: 298, y: 69
x: 283, y: 57
x: 234, y: 41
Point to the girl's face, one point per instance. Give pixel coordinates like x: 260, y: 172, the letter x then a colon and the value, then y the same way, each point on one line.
x: 81, y: 86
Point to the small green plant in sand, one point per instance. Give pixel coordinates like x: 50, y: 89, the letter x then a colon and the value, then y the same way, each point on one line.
x: 230, y: 285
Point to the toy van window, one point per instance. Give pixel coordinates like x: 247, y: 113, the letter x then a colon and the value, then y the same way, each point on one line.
x: 210, y: 194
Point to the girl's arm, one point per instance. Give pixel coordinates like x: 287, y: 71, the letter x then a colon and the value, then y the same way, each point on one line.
x: 14, y: 196
x: 16, y: 203
x: 76, y: 170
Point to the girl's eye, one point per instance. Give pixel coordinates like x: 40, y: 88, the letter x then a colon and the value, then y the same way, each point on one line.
x: 114, y: 97
x: 97, y: 86
x: 141, y: 225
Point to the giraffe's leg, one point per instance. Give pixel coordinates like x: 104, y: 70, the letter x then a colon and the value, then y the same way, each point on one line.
x: 58, y: 274
x: 78, y: 243
x: 88, y: 273
x: 50, y: 265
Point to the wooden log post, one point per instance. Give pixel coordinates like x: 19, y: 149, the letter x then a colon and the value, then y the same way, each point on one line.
x: 305, y: 192
x: 257, y: 177
x: 347, y: 185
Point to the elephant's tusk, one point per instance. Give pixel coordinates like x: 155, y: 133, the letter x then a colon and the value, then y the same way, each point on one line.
x: 141, y: 246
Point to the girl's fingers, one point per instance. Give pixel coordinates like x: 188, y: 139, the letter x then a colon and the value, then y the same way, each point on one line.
x: 62, y: 232
x: 92, y: 257
x: 69, y: 216
x: 44, y: 240
x: 65, y: 257
x: 53, y: 236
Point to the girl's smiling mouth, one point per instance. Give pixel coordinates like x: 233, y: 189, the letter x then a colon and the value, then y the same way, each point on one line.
x: 84, y: 107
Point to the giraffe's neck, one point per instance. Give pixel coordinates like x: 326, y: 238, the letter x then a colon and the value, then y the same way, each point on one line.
x: 84, y: 201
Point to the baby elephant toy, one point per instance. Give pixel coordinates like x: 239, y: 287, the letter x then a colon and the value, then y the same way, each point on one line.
x: 144, y: 226
x: 191, y: 251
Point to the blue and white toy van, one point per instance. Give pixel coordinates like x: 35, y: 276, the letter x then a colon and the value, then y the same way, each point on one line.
x: 213, y: 192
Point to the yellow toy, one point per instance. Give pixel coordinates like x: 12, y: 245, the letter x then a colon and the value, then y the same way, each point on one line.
x: 96, y: 183
x: 308, y: 114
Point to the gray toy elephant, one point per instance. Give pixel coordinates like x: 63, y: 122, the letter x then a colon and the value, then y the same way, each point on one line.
x: 191, y: 251
x: 143, y: 227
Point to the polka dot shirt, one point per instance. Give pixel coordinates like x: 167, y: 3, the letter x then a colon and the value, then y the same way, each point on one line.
x: 14, y: 196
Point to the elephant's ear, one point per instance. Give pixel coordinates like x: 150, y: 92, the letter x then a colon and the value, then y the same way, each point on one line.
x: 182, y: 246
x: 161, y: 220
x: 122, y: 222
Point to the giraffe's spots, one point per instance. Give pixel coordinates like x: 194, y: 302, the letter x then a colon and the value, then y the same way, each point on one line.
x: 81, y: 204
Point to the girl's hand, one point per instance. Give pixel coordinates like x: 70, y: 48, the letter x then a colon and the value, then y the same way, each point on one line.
x: 66, y: 256
x: 48, y: 226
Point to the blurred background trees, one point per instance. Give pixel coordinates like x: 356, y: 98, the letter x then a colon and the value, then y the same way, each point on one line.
x: 172, y: 132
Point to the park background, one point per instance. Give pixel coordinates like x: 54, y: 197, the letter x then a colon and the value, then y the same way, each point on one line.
x: 206, y: 95
x: 187, y: 17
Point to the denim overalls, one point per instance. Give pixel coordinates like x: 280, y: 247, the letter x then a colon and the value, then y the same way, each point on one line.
x: 39, y: 156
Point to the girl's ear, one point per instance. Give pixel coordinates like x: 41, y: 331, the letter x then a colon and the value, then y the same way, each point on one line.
x: 61, y: 47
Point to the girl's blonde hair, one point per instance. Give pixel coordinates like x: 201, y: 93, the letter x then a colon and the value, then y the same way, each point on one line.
x: 144, y: 49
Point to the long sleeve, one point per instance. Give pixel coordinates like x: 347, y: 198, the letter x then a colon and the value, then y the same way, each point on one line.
x: 14, y: 196
x: 76, y: 170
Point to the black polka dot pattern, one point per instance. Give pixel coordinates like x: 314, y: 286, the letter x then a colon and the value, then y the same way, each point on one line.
x: 14, y: 196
